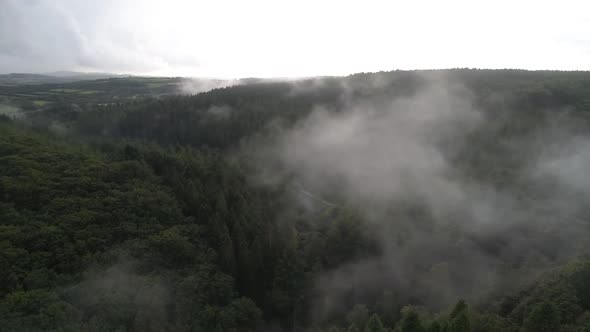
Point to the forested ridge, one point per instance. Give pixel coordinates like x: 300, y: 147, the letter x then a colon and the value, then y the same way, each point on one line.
x: 395, y: 201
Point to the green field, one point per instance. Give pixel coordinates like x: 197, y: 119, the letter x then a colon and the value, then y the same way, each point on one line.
x: 40, y: 103
x: 154, y: 85
x: 66, y: 90
x: 8, y: 109
x: 84, y: 92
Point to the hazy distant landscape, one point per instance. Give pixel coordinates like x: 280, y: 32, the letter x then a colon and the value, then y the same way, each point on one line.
x: 21, y: 93
x: 260, y: 166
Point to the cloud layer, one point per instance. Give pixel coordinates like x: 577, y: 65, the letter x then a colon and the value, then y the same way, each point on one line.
x: 270, y: 39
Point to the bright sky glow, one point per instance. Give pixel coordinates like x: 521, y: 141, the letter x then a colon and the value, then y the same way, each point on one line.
x: 290, y: 38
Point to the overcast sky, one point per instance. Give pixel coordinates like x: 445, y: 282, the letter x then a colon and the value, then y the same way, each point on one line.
x: 248, y: 38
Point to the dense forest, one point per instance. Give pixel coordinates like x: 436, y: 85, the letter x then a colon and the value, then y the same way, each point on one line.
x: 447, y: 200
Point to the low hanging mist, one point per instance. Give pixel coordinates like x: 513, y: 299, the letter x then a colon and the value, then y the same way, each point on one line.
x: 404, y: 163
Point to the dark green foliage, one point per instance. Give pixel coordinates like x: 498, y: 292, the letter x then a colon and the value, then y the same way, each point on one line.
x: 459, y: 308
x: 285, y: 296
x: 411, y: 322
x: 460, y: 323
x: 434, y: 327
x: 65, y: 208
x: 241, y: 315
x: 167, y: 213
x: 580, y: 281
x: 358, y: 316
x: 492, y: 322
x: 544, y: 317
x: 59, y: 201
x: 352, y: 328
x: 374, y: 324
x: 459, y: 319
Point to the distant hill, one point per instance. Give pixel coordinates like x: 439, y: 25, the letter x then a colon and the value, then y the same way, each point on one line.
x: 13, y: 79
